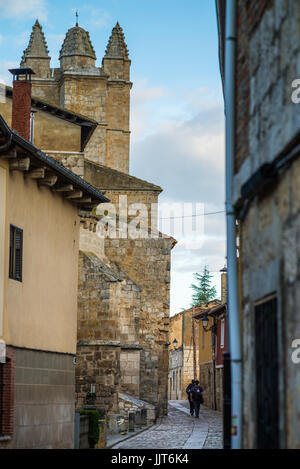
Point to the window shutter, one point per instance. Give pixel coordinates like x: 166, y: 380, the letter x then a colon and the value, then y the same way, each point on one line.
x: 11, y: 252
x: 18, y: 254
x: 15, y: 253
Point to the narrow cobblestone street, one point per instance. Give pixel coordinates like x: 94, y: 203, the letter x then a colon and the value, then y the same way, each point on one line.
x: 180, y: 431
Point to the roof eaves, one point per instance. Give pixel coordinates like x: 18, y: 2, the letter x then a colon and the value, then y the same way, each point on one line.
x: 14, y: 137
x: 211, y: 311
x: 148, y: 185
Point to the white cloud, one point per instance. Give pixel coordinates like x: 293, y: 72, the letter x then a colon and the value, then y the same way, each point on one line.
x: 93, y: 18
x: 22, y: 39
x: 143, y: 98
x: 100, y: 19
x: 5, y: 75
x: 26, y: 9
x: 178, y: 143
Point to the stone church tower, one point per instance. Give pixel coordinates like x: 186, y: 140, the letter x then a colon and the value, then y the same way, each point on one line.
x: 123, y: 302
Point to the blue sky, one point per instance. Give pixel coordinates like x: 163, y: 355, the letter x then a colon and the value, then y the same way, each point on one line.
x: 177, y: 123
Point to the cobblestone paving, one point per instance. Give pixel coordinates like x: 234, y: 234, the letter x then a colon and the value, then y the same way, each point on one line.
x: 214, y: 439
x: 174, y: 430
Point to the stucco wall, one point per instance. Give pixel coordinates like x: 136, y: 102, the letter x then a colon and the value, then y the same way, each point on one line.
x: 56, y: 134
x: 34, y: 316
x: 50, y: 132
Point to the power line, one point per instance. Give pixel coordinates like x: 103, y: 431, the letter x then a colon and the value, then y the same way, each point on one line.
x: 189, y: 216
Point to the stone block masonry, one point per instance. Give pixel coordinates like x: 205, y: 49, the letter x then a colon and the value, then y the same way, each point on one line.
x: 268, y: 127
x: 147, y: 263
x: 98, y: 365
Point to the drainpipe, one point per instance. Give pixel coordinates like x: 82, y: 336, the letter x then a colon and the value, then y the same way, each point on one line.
x: 32, y: 115
x: 233, y: 304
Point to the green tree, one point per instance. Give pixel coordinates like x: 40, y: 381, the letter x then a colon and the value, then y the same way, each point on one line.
x: 203, y: 290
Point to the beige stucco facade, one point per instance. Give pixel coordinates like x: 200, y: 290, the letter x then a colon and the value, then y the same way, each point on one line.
x: 192, y: 357
x: 50, y: 227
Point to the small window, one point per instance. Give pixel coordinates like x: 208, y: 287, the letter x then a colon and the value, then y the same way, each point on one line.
x: 15, y: 253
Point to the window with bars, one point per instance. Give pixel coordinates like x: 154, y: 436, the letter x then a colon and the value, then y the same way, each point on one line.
x: 267, y: 373
x: 15, y: 253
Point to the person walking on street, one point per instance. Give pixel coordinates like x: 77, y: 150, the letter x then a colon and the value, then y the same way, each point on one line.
x: 189, y: 393
x: 197, y: 397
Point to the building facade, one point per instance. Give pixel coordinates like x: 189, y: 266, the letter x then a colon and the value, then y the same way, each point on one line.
x: 267, y: 205
x: 212, y: 345
x: 190, y: 352
x: 39, y: 241
x: 124, y: 281
x: 197, y: 347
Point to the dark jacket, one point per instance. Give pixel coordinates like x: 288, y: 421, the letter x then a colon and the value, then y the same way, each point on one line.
x: 189, y: 388
x: 197, y: 393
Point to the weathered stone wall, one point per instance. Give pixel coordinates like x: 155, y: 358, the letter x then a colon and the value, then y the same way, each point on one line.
x: 98, y: 348
x: 96, y: 146
x: 270, y: 232
x: 85, y: 94
x: 130, y: 371
x: 40, y: 65
x: 47, y: 90
x: 128, y: 201
x: 74, y: 161
x: 127, y: 404
x: 117, y: 149
x: 147, y: 263
x: 108, y: 315
x: 90, y: 243
x: 98, y: 364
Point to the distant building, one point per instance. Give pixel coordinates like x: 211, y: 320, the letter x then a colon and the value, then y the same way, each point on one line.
x: 189, y: 348
x: 211, y: 351
x: 196, y: 352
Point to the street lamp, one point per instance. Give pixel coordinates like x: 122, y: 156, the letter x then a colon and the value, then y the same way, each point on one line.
x: 175, y: 343
x: 204, y: 322
x: 212, y: 328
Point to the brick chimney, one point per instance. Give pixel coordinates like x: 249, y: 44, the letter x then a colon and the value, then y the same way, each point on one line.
x: 224, y: 284
x: 21, y: 103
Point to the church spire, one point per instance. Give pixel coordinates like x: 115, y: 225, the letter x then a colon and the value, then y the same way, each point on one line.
x: 36, y: 55
x: 116, y: 46
x: 37, y: 46
x: 77, y: 50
